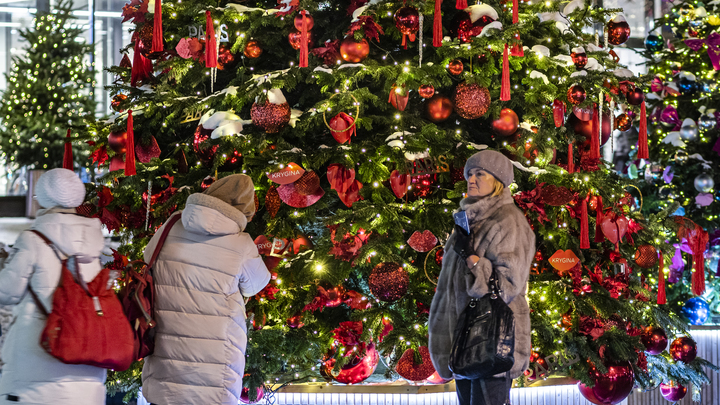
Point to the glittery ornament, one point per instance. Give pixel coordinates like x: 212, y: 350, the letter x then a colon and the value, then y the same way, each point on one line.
x: 352, y: 51
x: 623, y: 122
x: 673, y: 391
x: 646, y: 256
x: 146, y: 37
x: 426, y: 91
x: 471, y: 100
x: 618, y: 30
x: 407, y: 368
x: 270, y: 117
x: 580, y: 59
x: 253, y: 50
x: 683, y: 349
x: 422, y: 241
x: 507, y: 123
x: 654, y: 339
x: 388, y: 281
x: 455, y: 67
x: 116, y: 101
x: 556, y: 195
x: 576, y: 94
x: 308, y: 183
x: 272, y: 201
x: 146, y: 151
x: 203, y: 149
x: 117, y: 141
x: 439, y: 108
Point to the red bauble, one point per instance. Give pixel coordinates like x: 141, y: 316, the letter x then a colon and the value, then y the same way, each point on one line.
x: 407, y: 20
x: 683, y: 349
x: 635, y: 97
x: 253, y: 50
x: 258, y: 324
x: 576, y: 94
x: 584, y: 128
x: 456, y: 67
x: 407, y: 368
x: 357, y: 370
x: 117, y: 141
x: 654, y: 339
x: 422, y: 186
x: 224, y: 57
x: 295, y: 321
x: 116, y: 101
x: 342, y: 127
x: 233, y: 162
x: 309, y: 21
x: 335, y: 296
x: 593, y: 203
x: 471, y: 100
x: 439, y: 108
x: 295, y: 39
x: 439, y: 256
x: 579, y: 59
x: 203, y: 150
x: 618, y: 31
x: 245, y: 396
x: 507, y: 123
x: 207, y: 182
x: 388, y: 281
x: 354, y: 52
x: 270, y: 117
x: 646, y: 256
x: 463, y: 27
x: 673, y: 391
x: 610, y: 388
x: 623, y: 122
x: 426, y: 91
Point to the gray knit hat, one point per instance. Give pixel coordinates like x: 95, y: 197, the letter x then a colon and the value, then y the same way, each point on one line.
x: 59, y: 188
x: 492, y: 162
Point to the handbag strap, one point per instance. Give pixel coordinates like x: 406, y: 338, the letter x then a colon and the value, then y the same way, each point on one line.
x: 161, y: 241
x: 494, y: 284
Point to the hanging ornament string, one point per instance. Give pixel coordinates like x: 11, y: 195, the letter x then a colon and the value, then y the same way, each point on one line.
x: 420, y: 39
x: 357, y: 115
x: 147, y: 205
x: 425, y: 264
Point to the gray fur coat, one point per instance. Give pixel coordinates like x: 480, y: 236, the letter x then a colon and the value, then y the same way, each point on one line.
x: 503, y: 239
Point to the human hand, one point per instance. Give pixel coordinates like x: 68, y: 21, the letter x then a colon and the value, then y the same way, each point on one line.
x: 462, y: 243
x: 472, y: 261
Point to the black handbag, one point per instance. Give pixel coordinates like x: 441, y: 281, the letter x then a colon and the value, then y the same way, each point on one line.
x: 484, y: 339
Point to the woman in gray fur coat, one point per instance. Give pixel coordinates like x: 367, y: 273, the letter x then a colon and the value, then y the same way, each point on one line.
x: 500, y: 239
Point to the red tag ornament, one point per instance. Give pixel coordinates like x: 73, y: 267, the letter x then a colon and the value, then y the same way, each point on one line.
x: 564, y: 260
x: 291, y: 173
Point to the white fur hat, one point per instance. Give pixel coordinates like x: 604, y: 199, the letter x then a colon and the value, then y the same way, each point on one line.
x: 59, y: 188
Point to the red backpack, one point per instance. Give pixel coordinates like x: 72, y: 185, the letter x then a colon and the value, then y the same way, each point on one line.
x: 138, y: 298
x: 87, y: 324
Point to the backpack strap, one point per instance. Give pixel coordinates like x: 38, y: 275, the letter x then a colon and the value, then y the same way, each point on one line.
x: 161, y: 241
x: 38, y: 303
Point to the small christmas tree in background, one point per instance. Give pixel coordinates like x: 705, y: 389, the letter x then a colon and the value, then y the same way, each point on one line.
x: 50, y: 90
x: 355, y: 194
x: 683, y: 62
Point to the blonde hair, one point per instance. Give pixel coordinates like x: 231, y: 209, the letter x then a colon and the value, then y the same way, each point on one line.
x: 497, y: 188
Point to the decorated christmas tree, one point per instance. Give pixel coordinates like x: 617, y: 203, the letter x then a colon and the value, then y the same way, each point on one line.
x: 683, y: 60
x: 354, y: 120
x: 49, y: 92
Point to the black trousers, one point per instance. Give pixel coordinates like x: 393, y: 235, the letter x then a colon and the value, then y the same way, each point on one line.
x: 491, y: 391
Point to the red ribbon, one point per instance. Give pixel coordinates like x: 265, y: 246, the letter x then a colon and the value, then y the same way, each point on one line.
x: 141, y: 67
x: 304, y: 41
x: 642, y: 134
x: 584, y: 231
x: 210, y: 44
x: 437, y: 25
x: 505, y: 86
x: 461, y: 4
x: 571, y: 159
x: 157, y: 42
x: 68, y: 156
x: 130, y: 153
x: 516, y: 11
x: 661, y: 298
x: 697, y: 240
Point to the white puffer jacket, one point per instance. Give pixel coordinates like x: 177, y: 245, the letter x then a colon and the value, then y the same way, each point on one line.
x: 30, y: 374
x: 202, y: 273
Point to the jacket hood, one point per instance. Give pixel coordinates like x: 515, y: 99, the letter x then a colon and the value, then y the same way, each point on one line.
x: 206, y: 215
x: 478, y: 209
x: 73, y: 234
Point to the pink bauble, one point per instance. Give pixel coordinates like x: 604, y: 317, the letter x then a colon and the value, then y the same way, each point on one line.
x: 654, y: 339
x: 673, y: 391
x: 245, y: 396
x: 612, y: 387
x: 683, y: 349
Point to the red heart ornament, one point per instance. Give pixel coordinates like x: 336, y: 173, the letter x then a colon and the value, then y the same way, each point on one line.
x: 399, y: 97
x: 614, y: 227
x: 289, y: 174
x: 340, y: 177
x: 352, y: 194
x: 399, y: 183
x: 342, y: 127
x: 564, y: 260
x: 422, y: 242
x: 415, y: 372
x: 117, y: 163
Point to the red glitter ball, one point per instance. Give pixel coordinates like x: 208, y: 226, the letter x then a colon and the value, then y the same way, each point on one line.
x: 471, y: 101
x: 389, y: 281
x: 270, y: 117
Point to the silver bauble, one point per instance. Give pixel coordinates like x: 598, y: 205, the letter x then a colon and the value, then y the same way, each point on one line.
x: 707, y: 122
x: 704, y: 183
x: 689, y: 130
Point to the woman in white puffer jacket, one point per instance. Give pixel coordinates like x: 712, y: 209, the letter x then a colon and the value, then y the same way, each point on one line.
x: 31, y: 376
x: 206, y: 267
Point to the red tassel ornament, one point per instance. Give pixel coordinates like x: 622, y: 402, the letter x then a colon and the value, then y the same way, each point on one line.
x: 661, y: 298
x: 571, y: 159
x: 210, y: 44
x: 141, y: 67
x: 437, y: 25
x: 68, y: 156
x: 157, y: 42
x: 642, y: 134
x: 595, y: 136
x: 599, y: 236
x: 516, y: 11
x: 304, y: 40
x: 505, y: 86
x: 461, y: 4
x: 130, y: 145
x: 584, y: 231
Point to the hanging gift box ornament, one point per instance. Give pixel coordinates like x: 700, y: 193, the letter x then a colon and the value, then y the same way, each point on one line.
x: 579, y: 57
x: 407, y: 21
x: 576, y: 94
x: 273, y: 114
x: 426, y: 91
x: 507, y: 123
x: 471, y: 101
x: 618, y: 30
x: 399, y: 97
x: 353, y: 51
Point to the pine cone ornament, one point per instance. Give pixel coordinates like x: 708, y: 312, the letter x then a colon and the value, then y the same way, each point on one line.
x: 273, y: 201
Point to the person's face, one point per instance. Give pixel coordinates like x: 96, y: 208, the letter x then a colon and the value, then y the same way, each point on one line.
x: 480, y: 183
